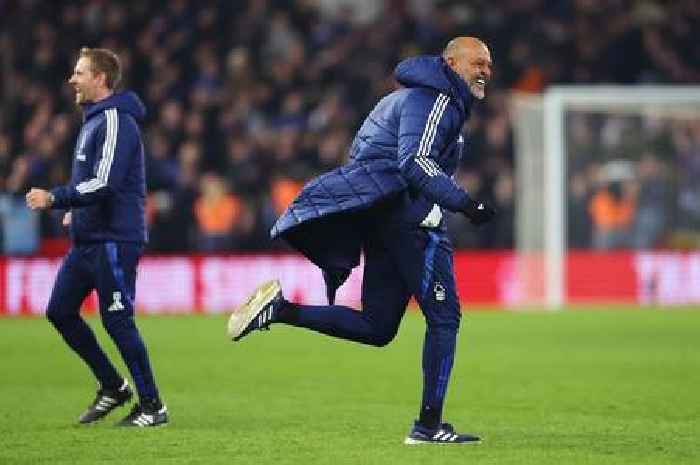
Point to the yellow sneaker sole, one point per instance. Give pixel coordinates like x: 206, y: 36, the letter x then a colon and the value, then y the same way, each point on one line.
x: 244, y: 314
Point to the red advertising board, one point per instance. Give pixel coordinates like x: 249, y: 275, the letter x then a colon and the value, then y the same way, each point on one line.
x: 212, y: 284
x: 607, y: 277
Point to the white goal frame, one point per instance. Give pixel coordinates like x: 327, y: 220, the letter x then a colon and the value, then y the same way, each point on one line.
x: 554, y: 103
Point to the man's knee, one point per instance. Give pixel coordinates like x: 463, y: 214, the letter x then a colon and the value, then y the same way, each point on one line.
x: 118, y: 323
x: 54, y: 317
x: 57, y: 315
x: 382, y: 340
x: 382, y: 336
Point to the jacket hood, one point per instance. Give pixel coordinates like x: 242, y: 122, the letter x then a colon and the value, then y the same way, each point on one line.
x: 432, y: 71
x: 126, y: 102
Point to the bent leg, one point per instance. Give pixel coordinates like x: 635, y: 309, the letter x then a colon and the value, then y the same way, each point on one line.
x: 116, y: 287
x: 384, y: 299
x: 73, y: 283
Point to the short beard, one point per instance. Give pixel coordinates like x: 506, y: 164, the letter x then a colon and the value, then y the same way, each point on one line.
x: 477, y: 91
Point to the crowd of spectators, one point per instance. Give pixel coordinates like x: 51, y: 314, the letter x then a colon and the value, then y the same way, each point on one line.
x: 249, y: 99
x: 632, y: 179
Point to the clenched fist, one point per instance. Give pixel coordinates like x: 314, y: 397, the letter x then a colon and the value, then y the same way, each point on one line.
x: 39, y: 199
x: 479, y: 213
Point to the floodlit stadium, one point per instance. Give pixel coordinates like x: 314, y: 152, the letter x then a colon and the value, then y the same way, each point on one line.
x: 579, y: 299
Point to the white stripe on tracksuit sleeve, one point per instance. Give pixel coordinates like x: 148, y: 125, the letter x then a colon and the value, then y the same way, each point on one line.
x: 427, y: 127
x: 102, y: 173
x: 426, y: 141
x: 117, y: 142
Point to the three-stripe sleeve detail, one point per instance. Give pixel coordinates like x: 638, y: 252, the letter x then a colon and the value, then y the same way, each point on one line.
x: 108, y: 149
x: 422, y: 158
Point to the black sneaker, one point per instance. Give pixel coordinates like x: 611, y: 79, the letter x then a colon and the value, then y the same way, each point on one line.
x: 445, y: 434
x: 146, y: 414
x: 257, y: 312
x: 105, y: 401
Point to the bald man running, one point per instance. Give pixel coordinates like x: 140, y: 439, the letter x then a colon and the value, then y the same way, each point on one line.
x: 388, y: 202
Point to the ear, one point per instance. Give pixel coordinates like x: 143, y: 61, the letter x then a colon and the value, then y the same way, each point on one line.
x: 451, y: 61
x: 102, y: 78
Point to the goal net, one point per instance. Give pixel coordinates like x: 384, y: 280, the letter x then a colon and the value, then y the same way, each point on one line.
x: 603, y: 174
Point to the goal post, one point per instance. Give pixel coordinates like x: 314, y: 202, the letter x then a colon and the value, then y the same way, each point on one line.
x: 542, y: 165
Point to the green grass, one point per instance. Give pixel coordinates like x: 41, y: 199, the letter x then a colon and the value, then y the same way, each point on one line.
x: 579, y: 387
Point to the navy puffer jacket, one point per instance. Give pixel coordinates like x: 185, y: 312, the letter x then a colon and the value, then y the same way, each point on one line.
x: 410, y: 142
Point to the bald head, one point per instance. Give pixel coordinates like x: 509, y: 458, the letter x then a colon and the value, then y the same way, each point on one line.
x: 460, y: 46
x: 470, y: 58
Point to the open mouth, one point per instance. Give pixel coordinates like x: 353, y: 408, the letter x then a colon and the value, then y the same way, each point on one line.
x: 478, y: 87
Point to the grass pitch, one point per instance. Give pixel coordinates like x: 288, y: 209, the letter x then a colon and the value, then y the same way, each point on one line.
x: 579, y: 387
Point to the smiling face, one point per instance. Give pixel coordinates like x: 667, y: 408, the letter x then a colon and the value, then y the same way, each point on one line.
x: 470, y: 58
x: 88, y: 85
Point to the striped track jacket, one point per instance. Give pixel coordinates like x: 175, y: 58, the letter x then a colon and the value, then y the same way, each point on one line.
x: 107, y: 190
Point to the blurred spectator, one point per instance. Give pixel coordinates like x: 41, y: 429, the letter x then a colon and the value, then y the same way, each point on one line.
x: 19, y: 226
x: 686, y: 139
x: 579, y: 218
x: 284, y: 191
x: 612, y: 209
x: 504, y: 229
x: 5, y: 161
x: 218, y: 214
x: 243, y: 168
x: 161, y: 165
x: 650, y: 220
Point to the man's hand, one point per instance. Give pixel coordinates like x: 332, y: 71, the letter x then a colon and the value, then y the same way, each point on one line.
x: 479, y: 212
x: 39, y: 199
x: 66, y: 219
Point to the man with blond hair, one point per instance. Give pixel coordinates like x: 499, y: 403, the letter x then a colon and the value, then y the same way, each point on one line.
x: 105, y: 202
